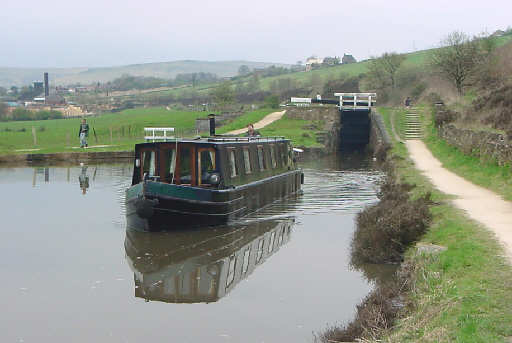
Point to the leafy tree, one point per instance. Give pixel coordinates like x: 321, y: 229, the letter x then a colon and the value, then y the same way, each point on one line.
x: 460, y: 57
x: 244, y: 70
x: 223, y: 93
x: 272, y: 101
x: 254, y: 83
x: 28, y: 93
x: 3, y: 111
x: 383, y: 70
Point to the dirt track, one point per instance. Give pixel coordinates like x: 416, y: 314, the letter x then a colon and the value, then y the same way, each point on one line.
x: 479, y: 203
x: 268, y: 119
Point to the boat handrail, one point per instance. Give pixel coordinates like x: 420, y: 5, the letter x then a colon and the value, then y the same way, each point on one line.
x: 162, y: 136
x: 245, y: 139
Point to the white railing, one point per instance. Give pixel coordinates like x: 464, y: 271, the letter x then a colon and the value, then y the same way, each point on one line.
x: 356, y: 101
x: 158, y: 133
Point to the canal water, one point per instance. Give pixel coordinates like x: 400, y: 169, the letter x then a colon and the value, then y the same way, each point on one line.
x: 71, y: 271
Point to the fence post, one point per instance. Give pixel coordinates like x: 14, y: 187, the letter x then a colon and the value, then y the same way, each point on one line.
x: 111, y: 140
x: 34, y: 135
x: 95, y: 137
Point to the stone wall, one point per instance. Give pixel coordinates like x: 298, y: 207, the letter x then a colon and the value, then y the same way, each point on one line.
x: 330, y: 115
x: 487, y: 146
x: 380, y: 141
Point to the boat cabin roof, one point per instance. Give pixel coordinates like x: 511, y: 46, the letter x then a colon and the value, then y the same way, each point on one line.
x: 219, y: 140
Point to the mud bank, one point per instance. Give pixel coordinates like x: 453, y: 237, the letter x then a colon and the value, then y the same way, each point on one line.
x: 86, y: 157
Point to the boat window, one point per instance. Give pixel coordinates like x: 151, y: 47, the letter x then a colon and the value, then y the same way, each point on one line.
x: 185, y: 169
x: 271, y: 243
x: 206, y: 164
x: 259, y: 253
x: 170, y: 164
x: 232, y: 162
x: 231, y: 270
x: 284, y: 157
x: 247, y: 161
x: 261, y: 157
x: 245, y: 265
x: 273, y: 156
x: 149, y: 163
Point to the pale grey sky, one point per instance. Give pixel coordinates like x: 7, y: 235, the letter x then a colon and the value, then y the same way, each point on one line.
x: 52, y: 33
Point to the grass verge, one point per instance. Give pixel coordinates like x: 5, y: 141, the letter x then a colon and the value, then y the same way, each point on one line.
x: 118, y: 130
x: 487, y: 174
x: 301, y: 132
x: 246, y: 119
x: 463, y: 294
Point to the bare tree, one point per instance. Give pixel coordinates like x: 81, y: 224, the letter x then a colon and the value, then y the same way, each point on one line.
x: 383, y: 69
x: 458, y: 58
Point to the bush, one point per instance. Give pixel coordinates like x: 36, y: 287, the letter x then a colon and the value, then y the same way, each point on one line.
x: 385, y: 230
x: 376, y: 313
x: 418, y: 90
x: 444, y: 116
x: 272, y: 101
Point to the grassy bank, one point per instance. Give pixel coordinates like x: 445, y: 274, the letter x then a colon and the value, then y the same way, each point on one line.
x: 487, y: 174
x: 127, y: 128
x: 300, y: 131
x: 246, y: 119
x: 119, y: 131
x: 464, y: 294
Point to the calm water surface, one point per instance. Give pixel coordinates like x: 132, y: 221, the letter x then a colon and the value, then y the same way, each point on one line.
x: 72, y: 272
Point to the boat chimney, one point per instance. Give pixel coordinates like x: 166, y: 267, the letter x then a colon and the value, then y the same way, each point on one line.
x: 212, y: 124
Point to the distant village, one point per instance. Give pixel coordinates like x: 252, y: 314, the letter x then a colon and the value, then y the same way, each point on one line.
x: 42, y: 97
x: 48, y: 99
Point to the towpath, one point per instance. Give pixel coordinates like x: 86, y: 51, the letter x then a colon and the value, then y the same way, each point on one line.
x: 480, y: 204
x: 268, y: 119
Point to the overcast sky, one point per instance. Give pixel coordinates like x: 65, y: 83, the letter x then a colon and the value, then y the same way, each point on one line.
x: 38, y: 33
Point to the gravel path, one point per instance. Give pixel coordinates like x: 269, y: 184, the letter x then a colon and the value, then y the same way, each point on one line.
x: 480, y: 204
x: 268, y: 119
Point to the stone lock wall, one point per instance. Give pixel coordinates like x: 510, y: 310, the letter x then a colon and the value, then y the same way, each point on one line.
x: 485, y: 145
x: 380, y: 141
x: 330, y: 115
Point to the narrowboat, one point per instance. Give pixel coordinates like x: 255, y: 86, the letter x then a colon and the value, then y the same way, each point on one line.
x: 208, y: 181
x: 201, y: 266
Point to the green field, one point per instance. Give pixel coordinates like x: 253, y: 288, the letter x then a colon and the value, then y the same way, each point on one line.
x: 127, y: 129
x: 62, y: 135
x: 487, y: 174
x: 301, y: 132
x: 465, y: 293
x: 246, y: 119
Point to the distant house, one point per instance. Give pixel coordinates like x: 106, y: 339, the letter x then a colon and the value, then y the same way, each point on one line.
x: 312, y: 61
x: 331, y: 61
x: 348, y: 59
x: 498, y: 33
x: 12, y: 105
x: 54, y: 100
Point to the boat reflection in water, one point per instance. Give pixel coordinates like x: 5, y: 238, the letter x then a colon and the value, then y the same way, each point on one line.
x: 201, y: 265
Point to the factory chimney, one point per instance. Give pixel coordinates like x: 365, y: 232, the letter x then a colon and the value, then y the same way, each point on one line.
x: 46, y: 85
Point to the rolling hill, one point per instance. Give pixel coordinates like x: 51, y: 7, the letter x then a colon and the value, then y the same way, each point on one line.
x: 64, y: 76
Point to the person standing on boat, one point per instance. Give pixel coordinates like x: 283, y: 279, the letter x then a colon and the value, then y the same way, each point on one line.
x: 83, y: 133
x: 251, y: 132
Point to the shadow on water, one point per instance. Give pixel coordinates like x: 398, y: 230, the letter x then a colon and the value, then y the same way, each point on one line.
x: 201, y: 265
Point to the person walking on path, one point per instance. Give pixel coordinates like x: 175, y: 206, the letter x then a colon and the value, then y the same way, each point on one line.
x: 407, y: 102
x: 83, y: 133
